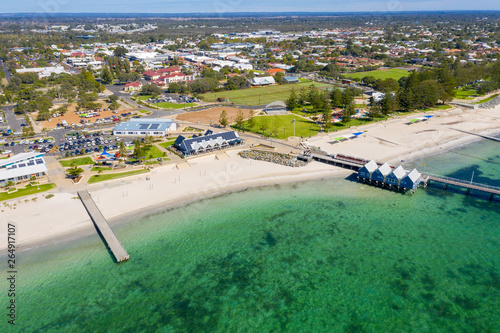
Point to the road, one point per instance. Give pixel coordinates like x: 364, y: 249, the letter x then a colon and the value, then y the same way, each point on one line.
x: 8, y: 74
x: 13, y: 122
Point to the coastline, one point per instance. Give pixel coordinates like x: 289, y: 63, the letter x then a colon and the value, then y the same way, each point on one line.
x: 48, y: 221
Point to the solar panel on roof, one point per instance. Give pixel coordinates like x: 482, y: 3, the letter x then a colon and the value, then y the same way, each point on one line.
x: 39, y: 161
x: 143, y: 126
x: 154, y: 126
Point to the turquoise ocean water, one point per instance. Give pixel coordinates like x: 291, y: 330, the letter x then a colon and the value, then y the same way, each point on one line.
x: 323, y: 256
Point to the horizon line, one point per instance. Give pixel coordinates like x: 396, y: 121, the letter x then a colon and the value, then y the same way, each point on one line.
x: 263, y: 12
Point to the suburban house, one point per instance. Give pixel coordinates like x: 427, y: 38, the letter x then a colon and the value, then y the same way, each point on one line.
x: 133, y: 86
x: 275, y: 71
x: 145, y: 126
x: 22, y: 166
x: 262, y: 81
x: 206, y: 143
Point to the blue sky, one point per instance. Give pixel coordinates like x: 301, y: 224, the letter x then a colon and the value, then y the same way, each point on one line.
x: 221, y: 6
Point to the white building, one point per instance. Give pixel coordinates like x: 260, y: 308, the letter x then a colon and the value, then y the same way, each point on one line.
x: 145, y: 126
x: 43, y: 71
x: 22, y: 167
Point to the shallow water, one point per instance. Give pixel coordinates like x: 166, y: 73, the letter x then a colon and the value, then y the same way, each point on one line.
x: 322, y: 256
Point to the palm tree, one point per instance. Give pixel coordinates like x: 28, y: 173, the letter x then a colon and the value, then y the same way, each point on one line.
x: 74, y: 171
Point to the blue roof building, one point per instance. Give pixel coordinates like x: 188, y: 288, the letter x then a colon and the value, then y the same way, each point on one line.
x: 380, y: 174
x: 206, y: 143
x: 367, y: 170
x: 394, y: 178
x: 411, y: 180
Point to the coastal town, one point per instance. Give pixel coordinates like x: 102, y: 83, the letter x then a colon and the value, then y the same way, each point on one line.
x: 259, y: 172
x: 83, y: 114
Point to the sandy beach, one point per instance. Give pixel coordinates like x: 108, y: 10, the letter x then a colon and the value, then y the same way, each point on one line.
x: 40, y: 221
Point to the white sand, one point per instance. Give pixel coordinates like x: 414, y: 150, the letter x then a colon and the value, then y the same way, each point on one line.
x: 46, y: 219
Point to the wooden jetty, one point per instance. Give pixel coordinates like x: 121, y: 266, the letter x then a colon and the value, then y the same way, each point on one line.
x: 339, y: 160
x: 355, y: 163
x: 489, y: 137
x: 469, y: 185
x: 103, y: 227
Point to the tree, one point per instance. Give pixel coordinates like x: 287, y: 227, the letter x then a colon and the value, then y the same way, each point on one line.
x: 348, y: 112
x: 174, y: 88
x: 251, y: 120
x: 388, y: 104
x: 120, y: 51
x: 74, y: 171
x: 9, y: 184
x: 302, y: 99
x: 264, y: 126
x: 151, y: 89
x: 123, y: 150
x: 223, y: 118
x: 240, y: 119
x: 139, y: 150
x: 327, y: 114
x: 336, y: 97
x: 291, y: 102
x: 106, y: 75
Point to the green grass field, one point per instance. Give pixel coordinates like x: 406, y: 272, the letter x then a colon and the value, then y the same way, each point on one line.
x: 466, y: 93
x: 30, y: 189
x: 486, y: 99
x: 261, y: 95
x: 77, y: 161
x: 101, y: 169
x: 281, y: 127
x: 393, y: 73
x: 167, y: 105
x: 101, y: 178
x: 167, y: 144
x: 152, y: 153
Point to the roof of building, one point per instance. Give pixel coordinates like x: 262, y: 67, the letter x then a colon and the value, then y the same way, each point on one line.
x: 371, y: 166
x: 399, y: 172
x: 145, y: 124
x: 19, y: 158
x: 263, y: 80
x: 133, y: 84
x: 205, y: 141
x: 275, y: 105
x: 413, y: 175
x: 385, y: 169
x: 275, y: 70
x: 23, y: 171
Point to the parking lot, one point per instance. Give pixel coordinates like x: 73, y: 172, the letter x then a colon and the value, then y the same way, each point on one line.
x: 86, y: 143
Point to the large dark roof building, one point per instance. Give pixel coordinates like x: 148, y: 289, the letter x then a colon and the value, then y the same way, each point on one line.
x: 207, y: 143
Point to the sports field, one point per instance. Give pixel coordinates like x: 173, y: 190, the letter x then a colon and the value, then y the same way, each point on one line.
x: 261, y: 95
x: 282, y: 126
x: 382, y: 74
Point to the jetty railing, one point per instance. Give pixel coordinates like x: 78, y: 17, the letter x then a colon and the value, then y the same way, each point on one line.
x: 461, y: 181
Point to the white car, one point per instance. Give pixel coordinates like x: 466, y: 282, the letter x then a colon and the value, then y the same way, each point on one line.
x: 7, y: 151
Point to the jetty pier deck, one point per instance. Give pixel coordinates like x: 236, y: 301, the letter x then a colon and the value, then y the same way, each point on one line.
x: 469, y: 185
x: 103, y: 227
x: 355, y: 163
